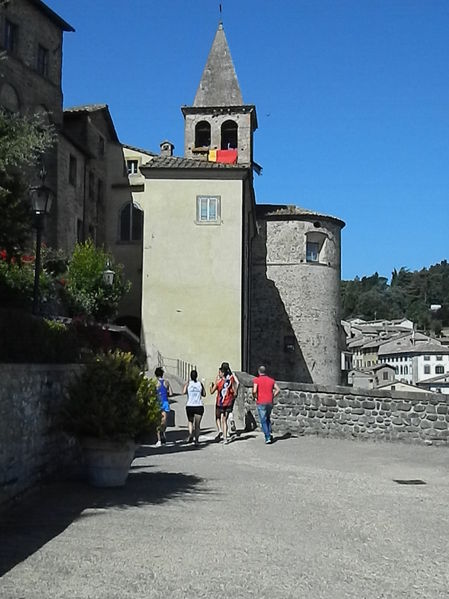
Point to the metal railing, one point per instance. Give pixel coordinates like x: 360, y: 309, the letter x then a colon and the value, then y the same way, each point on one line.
x: 175, y: 366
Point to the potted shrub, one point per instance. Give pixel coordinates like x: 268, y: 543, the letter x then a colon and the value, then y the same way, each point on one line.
x: 110, y: 406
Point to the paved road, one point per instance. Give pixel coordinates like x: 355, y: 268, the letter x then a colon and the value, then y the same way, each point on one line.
x: 304, y: 518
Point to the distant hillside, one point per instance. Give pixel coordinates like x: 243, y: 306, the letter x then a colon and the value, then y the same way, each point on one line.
x: 409, y: 294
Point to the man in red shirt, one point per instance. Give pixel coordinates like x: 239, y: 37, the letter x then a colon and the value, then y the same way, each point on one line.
x: 265, y: 390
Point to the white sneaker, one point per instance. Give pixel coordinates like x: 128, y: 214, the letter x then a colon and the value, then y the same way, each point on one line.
x: 158, y: 444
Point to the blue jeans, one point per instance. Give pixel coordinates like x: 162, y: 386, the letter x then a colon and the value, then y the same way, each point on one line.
x: 264, y: 410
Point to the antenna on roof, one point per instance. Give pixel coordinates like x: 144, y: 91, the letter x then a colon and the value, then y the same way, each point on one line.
x: 220, y: 8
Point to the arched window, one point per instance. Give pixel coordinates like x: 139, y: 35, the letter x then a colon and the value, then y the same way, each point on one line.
x: 9, y: 98
x: 131, y: 222
x: 202, y: 134
x: 405, y: 369
x: 439, y: 369
x: 229, y: 135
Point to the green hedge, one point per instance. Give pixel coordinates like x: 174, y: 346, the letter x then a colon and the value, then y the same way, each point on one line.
x: 27, y: 338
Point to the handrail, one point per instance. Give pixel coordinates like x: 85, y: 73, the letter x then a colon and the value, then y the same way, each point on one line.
x: 180, y: 368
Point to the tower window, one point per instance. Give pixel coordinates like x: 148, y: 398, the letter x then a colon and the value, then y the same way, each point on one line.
x: 101, y: 146
x: 202, y: 134
x: 91, y: 185
x: 42, y: 61
x: 229, y: 135
x: 72, y: 170
x: 10, y: 36
x: 131, y: 223
x: 100, y: 191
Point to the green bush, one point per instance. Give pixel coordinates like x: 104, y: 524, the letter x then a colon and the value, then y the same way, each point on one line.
x: 27, y: 338
x: 111, y: 399
x: 85, y: 292
x: 17, y: 283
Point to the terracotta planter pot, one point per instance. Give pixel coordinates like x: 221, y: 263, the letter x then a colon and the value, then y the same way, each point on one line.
x: 107, y: 462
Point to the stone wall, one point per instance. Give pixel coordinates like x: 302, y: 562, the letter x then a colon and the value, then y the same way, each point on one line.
x: 353, y: 413
x: 32, y: 445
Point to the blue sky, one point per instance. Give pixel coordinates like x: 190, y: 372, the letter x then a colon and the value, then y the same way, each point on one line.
x: 352, y: 99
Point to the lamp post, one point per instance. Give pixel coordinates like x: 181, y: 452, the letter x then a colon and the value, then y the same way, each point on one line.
x: 108, y: 275
x: 41, y: 199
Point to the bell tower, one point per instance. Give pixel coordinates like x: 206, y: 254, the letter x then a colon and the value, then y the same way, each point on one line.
x: 219, y: 124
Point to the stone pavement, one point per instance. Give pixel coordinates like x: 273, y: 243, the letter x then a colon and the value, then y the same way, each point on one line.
x: 303, y: 518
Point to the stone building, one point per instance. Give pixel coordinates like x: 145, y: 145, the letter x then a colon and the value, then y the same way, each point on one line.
x: 30, y: 75
x: 89, y: 156
x: 214, y: 276
x: 31, y: 35
x: 86, y: 145
x: 224, y: 278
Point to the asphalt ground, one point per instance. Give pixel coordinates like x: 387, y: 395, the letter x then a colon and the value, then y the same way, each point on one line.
x: 305, y: 517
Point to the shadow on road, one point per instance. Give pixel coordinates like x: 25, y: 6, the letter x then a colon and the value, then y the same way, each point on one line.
x: 46, y: 513
x: 284, y: 437
x: 176, y: 442
x: 242, y: 436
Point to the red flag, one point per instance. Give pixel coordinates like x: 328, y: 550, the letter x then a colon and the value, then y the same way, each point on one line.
x: 227, y: 156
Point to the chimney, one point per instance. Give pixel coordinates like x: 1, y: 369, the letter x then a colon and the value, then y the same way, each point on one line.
x: 166, y: 149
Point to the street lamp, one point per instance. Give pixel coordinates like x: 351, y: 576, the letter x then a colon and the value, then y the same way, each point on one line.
x: 41, y: 198
x: 108, y: 275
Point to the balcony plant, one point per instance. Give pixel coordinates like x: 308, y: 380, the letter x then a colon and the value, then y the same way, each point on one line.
x: 110, y: 406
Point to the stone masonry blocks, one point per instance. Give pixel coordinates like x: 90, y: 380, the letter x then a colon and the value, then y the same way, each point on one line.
x: 379, y: 415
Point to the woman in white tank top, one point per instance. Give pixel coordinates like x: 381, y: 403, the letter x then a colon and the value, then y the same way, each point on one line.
x: 194, y: 406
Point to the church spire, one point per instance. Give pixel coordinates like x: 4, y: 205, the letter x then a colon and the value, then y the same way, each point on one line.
x: 219, y: 85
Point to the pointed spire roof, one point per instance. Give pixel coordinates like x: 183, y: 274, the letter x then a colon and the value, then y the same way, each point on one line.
x: 219, y: 85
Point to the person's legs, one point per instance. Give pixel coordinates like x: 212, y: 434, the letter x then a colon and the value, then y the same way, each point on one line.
x: 163, y: 427
x: 224, y: 425
x: 262, y: 409
x: 190, y: 424
x: 231, y: 421
x: 218, y: 423
x: 198, y: 418
x: 268, y: 409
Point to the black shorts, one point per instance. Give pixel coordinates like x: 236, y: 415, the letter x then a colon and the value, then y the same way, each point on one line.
x: 219, y: 410
x: 191, y: 411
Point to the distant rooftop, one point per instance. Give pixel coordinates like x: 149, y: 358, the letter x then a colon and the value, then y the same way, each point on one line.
x: 441, y: 378
x: 141, y: 150
x: 407, y: 346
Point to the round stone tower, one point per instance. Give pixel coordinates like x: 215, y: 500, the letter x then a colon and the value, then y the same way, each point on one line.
x: 295, y: 303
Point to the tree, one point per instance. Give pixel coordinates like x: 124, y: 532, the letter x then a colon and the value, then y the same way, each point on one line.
x: 409, y: 294
x: 85, y: 291
x: 23, y: 140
